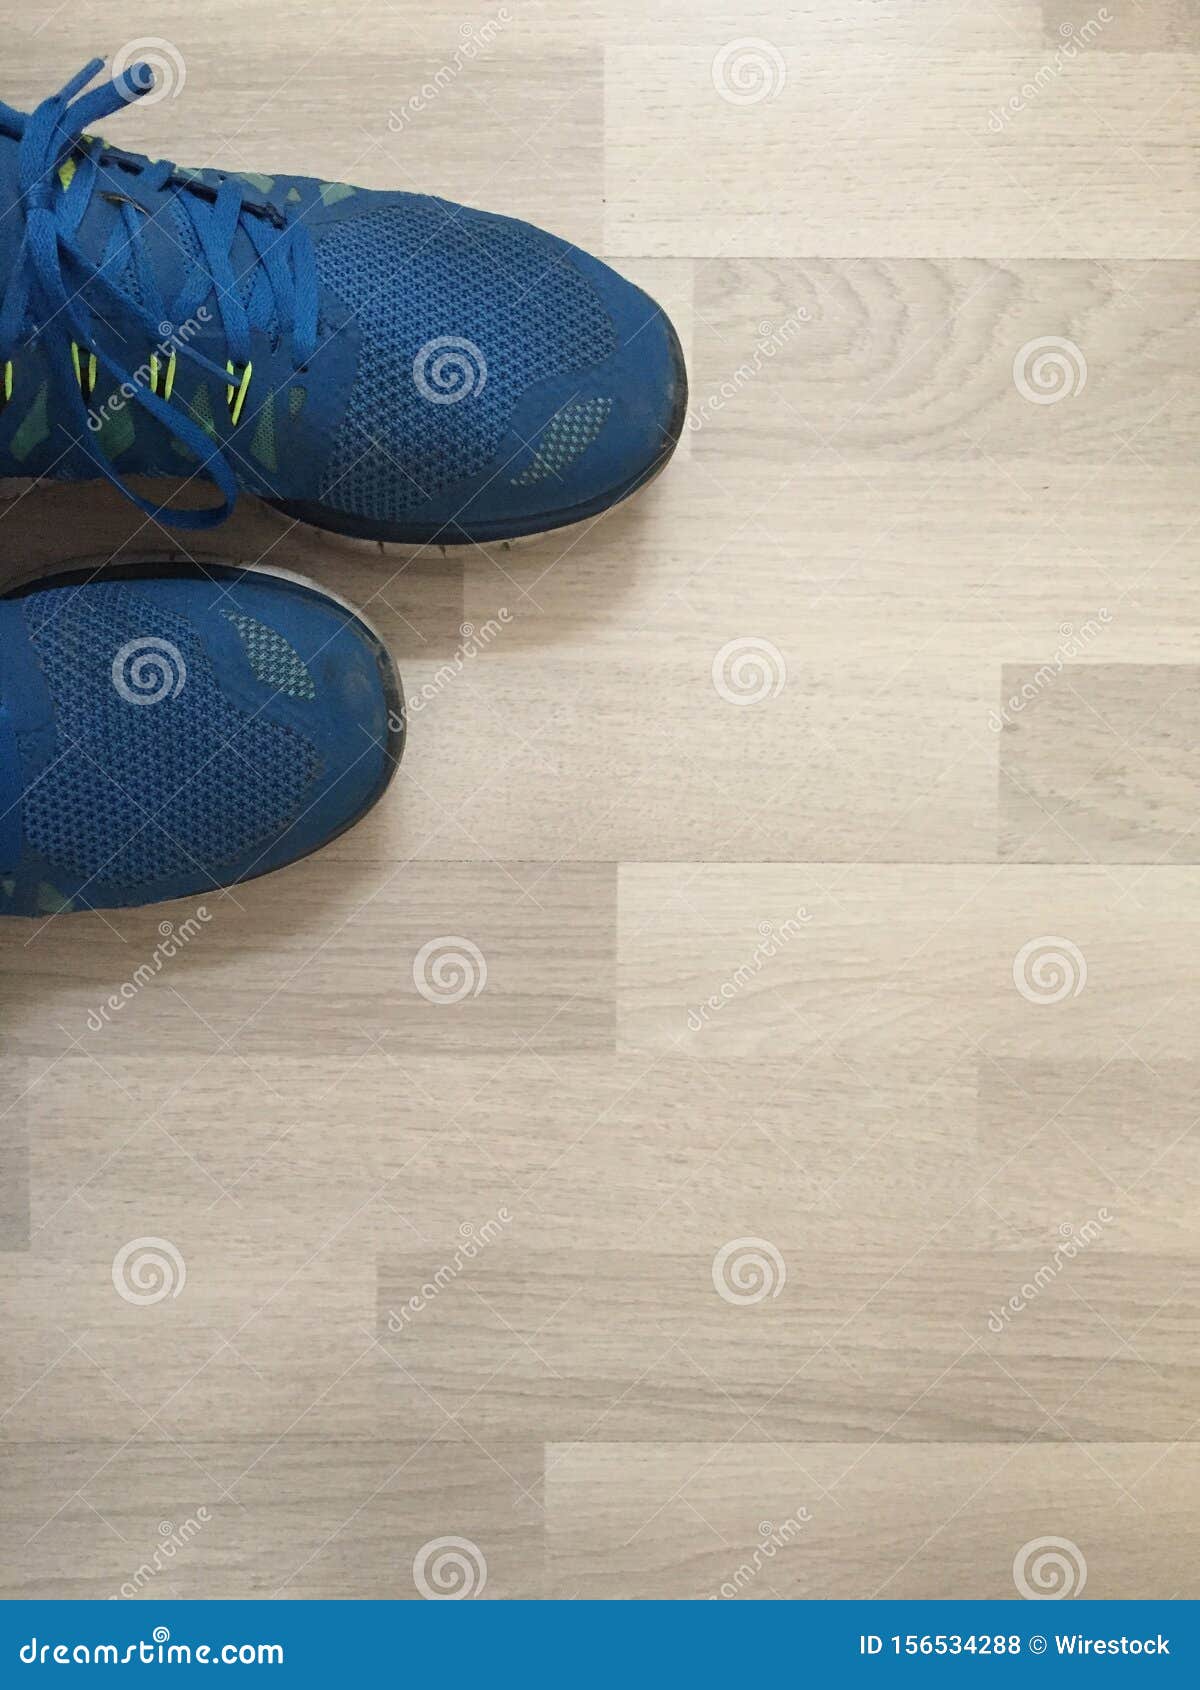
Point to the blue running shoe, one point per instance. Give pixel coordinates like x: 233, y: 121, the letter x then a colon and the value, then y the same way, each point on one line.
x: 165, y: 734
x: 386, y: 365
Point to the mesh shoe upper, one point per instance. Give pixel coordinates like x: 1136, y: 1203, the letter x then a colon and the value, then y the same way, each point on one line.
x: 163, y: 736
x: 147, y: 790
x: 460, y: 312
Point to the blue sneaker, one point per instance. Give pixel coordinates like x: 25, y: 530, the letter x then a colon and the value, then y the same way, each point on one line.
x: 381, y: 364
x: 163, y: 735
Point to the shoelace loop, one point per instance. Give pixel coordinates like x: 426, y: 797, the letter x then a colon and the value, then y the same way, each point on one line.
x: 56, y: 292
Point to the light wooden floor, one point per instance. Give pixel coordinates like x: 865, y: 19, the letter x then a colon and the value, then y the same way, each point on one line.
x: 728, y: 813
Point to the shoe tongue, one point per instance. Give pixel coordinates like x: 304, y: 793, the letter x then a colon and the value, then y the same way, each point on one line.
x: 163, y: 241
x: 166, y: 232
x: 168, y: 236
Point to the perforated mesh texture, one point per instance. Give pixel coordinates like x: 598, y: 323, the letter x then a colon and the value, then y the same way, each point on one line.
x: 220, y: 781
x: 416, y: 272
x: 272, y: 659
x: 565, y: 437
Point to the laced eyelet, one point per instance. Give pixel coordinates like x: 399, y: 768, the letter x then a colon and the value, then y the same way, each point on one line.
x: 239, y: 386
x: 87, y: 370
x: 168, y: 386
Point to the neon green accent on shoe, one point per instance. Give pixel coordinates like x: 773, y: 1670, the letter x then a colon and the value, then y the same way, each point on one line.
x: 8, y: 381
x: 34, y: 431
x: 332, y: 192
x: 273, y: 660
x: 66, y: 171
x: 85, y: 373
x: 296, y: 399
x: 155, y: 370
x: 235, y: 396
x: 117, y: 433
x: 294, y: 196
x: 50, y: 899
x: 263, y: 445
x: 264, y: 184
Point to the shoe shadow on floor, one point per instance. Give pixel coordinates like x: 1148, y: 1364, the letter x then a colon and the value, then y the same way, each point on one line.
x: 418, y: 597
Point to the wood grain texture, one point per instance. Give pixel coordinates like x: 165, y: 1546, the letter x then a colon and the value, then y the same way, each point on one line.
x: 798, y: 1198
x: 685, y: 1521
x: 1132, y: 26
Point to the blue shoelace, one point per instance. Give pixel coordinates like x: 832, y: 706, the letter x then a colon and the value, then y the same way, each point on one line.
x: 55, y: 289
